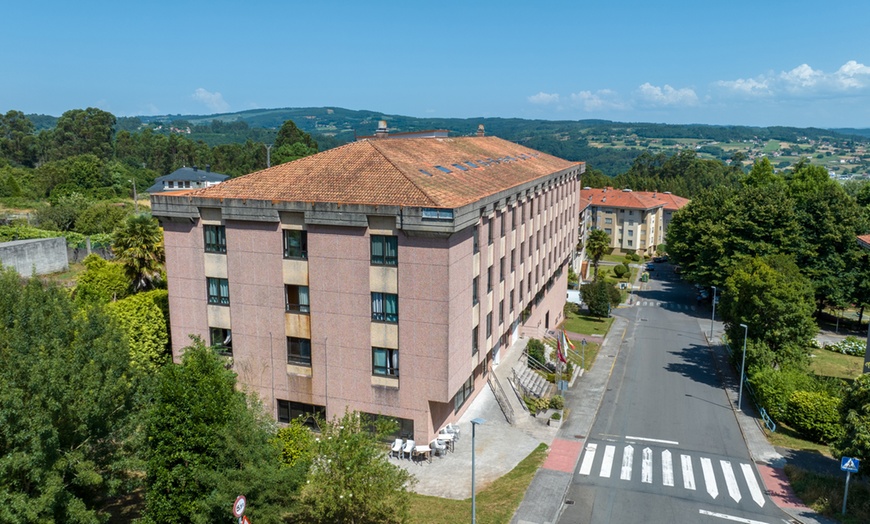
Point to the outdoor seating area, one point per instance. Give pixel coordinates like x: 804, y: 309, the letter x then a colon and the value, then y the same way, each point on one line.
x: 443, y: 444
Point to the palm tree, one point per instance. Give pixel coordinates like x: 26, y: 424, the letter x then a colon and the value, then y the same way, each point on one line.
x: 597, y: 245
x: 138, y: 245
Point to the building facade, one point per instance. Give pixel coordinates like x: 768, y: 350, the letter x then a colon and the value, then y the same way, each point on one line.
x: 384, y: 276
x: 635, y: 220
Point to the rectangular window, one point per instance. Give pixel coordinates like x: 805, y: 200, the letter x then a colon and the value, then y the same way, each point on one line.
x: 295, y: 244
x: 521, y: 290
x: 296, y: 299
x: 215, y: 239
x: 502, y: 220
x: 475, y: 335
x: 501, y: 312
x: 630, y: 242
x: 522, y: 251
x: 463, y: 394
x: 513, y: 260
x: 385, y: 307
x: 474, y: 298
x: 298, y: 351
x: 218, y: 291
x: 222, y: 339
x: 501, y: 270
x: 489, y: 279
x: 488, y: 325
x: 631, y: 232
x: 288, y: 410
x: 385, y: 250
x: 475, y: 242
x: 511, y: 301
x: 385, y: 362
x: 491, y: 230
x: 608, y: 231
x: 514, y: 215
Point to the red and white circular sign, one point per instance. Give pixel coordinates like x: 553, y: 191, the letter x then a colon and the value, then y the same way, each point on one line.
x: 239, y: 506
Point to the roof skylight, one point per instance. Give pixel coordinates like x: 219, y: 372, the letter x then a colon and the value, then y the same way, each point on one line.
x: 444, y: 169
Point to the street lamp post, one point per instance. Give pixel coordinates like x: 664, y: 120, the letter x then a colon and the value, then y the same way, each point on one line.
x: 474, y: 423
x: 135, y: 197
x: 712, y: 318
x: 742, y: 367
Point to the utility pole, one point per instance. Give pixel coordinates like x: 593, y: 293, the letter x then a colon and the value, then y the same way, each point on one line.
x: 269, y: 155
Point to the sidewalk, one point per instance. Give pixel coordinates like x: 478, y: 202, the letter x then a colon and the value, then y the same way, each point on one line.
x: 543, y: 500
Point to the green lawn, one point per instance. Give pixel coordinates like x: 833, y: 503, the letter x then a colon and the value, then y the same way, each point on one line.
x: 832, y: 364
x: 771, y: 146
x: 496, y: 503
x: 824, y: 493
x: 584, y: 359
x: 586, y: 324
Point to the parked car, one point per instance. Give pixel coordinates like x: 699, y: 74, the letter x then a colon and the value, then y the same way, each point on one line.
x: 660, y: 259
x: 650, y: 267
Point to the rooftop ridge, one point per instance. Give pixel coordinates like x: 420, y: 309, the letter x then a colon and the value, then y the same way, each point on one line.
x: 423, y: 192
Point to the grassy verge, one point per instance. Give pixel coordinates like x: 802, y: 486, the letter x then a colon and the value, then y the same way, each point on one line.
x: 579, y: 357
x: 824, y: 493
x: 496, y: 503
x: 786, y: 437
x: 586, y: 324
x: 833, y: 364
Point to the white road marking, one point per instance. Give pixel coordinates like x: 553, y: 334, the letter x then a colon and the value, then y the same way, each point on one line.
x: 586, y: 466
x: 607, y: 461
x: 627, y: 458
x: 730, y: 481
x: 657, y: 441
x: 688, y: 473
x: 709, y: 477
x: 667, y: 469
x: 646, y: 467
x: 754, y: 490
x: 729, y: 517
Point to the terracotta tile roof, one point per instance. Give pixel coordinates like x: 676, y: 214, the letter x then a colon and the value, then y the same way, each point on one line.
x: 390, y: 172
x: 610, y: 197
x: 864, y: 240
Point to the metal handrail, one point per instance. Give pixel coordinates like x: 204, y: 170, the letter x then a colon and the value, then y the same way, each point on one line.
x: 501, y: 398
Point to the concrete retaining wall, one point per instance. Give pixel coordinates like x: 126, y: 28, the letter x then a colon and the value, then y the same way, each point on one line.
x: 39, y: 256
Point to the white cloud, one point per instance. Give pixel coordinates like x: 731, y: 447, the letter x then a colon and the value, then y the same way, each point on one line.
x: 544, y: 98
x: 803, y: 80
x: 214, y: 101
x: 597, y: 101
x: 667, y: 95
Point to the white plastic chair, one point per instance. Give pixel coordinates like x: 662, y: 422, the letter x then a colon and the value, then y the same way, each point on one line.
x: 438, y: 447
x: 408, y: 449
x: 397, y: 448
x: 452, y: 429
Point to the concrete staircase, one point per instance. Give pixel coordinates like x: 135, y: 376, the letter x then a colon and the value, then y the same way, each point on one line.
x: 529, y: 382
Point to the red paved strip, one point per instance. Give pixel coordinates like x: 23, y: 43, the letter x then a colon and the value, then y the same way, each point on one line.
x: 778, y: 488
x: 563, y: 455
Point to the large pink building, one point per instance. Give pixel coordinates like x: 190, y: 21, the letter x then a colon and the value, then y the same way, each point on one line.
x: 383, y: 276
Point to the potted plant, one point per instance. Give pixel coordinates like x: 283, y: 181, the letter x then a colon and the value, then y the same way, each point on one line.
x: 555, y: 419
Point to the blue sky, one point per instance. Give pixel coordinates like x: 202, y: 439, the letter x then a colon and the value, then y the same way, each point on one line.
x: 741, y: 62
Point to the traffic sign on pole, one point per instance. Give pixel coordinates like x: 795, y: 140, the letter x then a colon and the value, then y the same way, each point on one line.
x: 239, y: 506
x: 246, y: 520
x: 850, y: 464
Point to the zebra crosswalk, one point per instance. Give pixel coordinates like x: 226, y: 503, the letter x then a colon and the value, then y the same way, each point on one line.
x: 667, y: 305
x: 711, y: 470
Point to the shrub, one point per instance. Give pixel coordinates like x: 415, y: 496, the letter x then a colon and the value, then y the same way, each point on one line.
x: 620, y: 271
x: 535, y: 349
x: 635, y: 257
x: 773, y: 389
x: 557, y: 402
x: 556, y: 416
x: 815, y: 414
x: 850, y: 346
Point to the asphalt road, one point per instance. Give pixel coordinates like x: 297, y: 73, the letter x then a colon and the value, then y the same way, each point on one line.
x: 665, y: 446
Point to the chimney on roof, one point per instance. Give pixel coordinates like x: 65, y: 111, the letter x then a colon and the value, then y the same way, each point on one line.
x: 382, y: 129
x: 195, y: 168
x: 208, y: 168
x: 480, y: 130
x: 655, y: 194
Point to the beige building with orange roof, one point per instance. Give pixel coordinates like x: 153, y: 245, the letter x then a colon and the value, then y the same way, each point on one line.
x: 382, y: 276
x: 636, y: 221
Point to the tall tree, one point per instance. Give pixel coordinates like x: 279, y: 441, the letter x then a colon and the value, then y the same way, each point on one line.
x: 775, y: 301
x: 855, y: 411
x: 82, y: 131
x: 208, y: 442
x: 66, y: 402
x: 289, y: 134
x: 597, y: 245
x: 138, y: 245
x: 17, y: 138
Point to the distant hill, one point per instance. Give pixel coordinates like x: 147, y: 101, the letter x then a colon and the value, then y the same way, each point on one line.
x: 605, y: 145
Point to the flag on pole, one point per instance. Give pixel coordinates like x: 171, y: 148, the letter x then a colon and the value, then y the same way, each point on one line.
x: 559, y: 351
x: 567, y: 340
